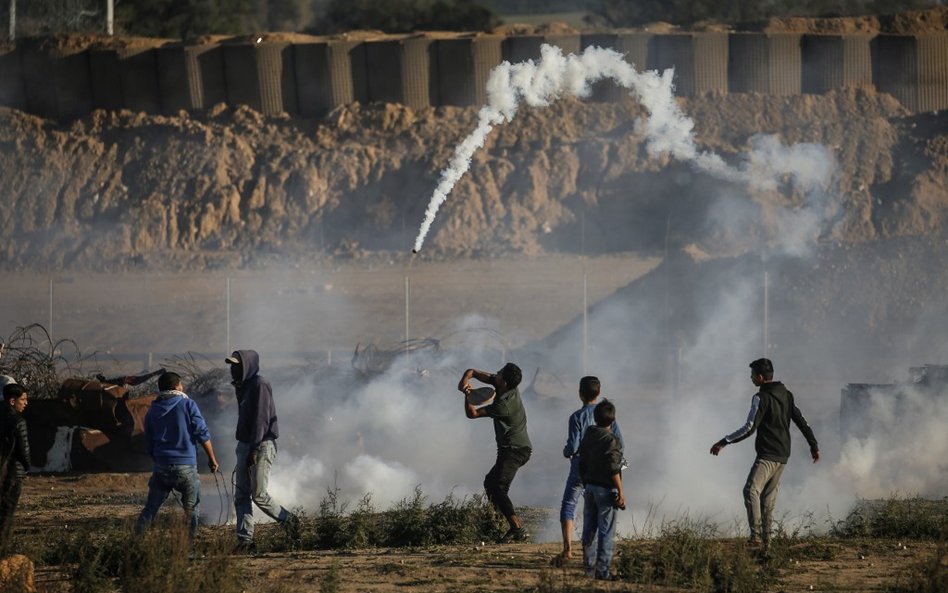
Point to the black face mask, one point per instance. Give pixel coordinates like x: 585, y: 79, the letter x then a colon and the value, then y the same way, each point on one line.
x: 236, y: 373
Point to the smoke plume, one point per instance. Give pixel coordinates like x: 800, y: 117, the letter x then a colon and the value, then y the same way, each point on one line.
x: 666, y: 129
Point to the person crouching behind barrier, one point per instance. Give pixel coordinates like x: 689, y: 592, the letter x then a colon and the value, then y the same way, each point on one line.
x: 579, y: 422
x: 173, y: 427
x: 600, y: 466
x: 510, y: 431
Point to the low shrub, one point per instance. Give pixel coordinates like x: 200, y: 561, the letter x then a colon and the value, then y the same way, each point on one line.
x: 687, y: 554
x: 412, y: 522
x: 915, y: 518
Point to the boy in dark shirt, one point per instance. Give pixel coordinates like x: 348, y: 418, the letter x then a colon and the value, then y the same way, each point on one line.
x: 600, y: 466
x: 579, y: 422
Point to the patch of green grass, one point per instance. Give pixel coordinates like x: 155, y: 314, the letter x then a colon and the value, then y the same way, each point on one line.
x: 412, y: 522
x: 331, y: 582
x: 688, y: 554
x: 915, y: 518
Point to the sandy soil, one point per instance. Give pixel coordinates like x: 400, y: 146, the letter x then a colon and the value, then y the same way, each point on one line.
x: 74, y: 502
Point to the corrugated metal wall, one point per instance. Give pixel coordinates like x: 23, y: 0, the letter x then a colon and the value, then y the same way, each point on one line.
x: 173, y: 83
x: 527, y: 47
x: 106, y: 81
x: 633, y: 45
x: 895, y: 68
x: 700, y: 61
x: 932, y: 81
x: 463, y: 66
x: 55, y: 84
x: 835, y: 62
x: 261, y: 76
x: 313, y: 78
x: 138, y: 72
x: 328, y: 75
x: 769, y: 63
x: 190, y: 77
x: 401, y: 71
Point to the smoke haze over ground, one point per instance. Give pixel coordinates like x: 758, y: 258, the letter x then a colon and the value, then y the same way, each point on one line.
x: 840, y: 206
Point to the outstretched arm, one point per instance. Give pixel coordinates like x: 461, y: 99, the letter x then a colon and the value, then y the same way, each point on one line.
x: 753, y: 419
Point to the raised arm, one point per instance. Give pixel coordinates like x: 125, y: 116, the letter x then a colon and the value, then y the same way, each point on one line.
x: 464, y: 386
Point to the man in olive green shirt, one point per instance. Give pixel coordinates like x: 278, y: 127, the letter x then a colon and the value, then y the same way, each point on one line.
x: 510, y: 431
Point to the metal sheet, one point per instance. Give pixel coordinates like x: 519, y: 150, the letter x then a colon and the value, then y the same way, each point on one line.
x: 765, y: 63
x: 11, y: 80
x: 700, y: 61
x: 520, y: 48
x: 138, y: 72
x: 836, y: 62
x: 106, y: 80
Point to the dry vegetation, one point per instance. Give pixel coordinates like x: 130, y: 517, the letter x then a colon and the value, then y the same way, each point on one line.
x: 76, y: 530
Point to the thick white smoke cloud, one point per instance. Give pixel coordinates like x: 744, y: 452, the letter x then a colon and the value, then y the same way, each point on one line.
x: 666, y: 129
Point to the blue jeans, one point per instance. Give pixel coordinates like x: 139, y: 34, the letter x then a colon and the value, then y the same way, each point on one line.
x: 251, y: 488
x: 571, y: 494
x: 599, y: 523
x: 164, y: 479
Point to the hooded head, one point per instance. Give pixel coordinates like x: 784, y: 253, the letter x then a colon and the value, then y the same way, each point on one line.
x: 244, y: 365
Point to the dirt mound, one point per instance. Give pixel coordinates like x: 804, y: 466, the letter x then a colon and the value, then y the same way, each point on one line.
x: 119, y: 189
x: 914, y: 22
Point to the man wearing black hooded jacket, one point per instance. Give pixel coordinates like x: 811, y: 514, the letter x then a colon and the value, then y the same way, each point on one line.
x: 772, y: 410
x: 257, y: 432
x: 14, y: 455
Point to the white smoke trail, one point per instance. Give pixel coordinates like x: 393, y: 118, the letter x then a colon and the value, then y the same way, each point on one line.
x: 666, y: 129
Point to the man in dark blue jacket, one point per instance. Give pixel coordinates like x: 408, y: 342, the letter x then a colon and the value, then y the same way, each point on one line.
x: 173, y: 427
x: 772, y: 410
x: 257, y: 433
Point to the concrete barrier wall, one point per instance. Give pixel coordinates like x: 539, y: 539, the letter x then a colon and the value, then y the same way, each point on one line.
x: 913, y: 69
x: 11, y: 79
x: 932, y: 72
x: 401, y: 71
x: 835, y: 62
x: 138, y: 72
x: 311, y: 79
x: 700, y: 61
x: 329, y: 75
x: 527, y: 47
x: 463, y: 66
x: 261, y: 76
x: 765, y: 63
x: 55, y: 84
x: 106, y: 81
x: 634, y: 46
x: 190, y: 77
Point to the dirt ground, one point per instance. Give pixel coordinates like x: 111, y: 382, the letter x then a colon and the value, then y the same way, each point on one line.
x: 53, y: 504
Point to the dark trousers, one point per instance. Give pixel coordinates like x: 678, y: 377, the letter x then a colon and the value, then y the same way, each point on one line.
x: 498, y: 479
x: 9, y: 497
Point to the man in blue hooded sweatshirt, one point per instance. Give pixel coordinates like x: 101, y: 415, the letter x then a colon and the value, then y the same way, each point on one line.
x: 257, y: 433
x: 173, y: 426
